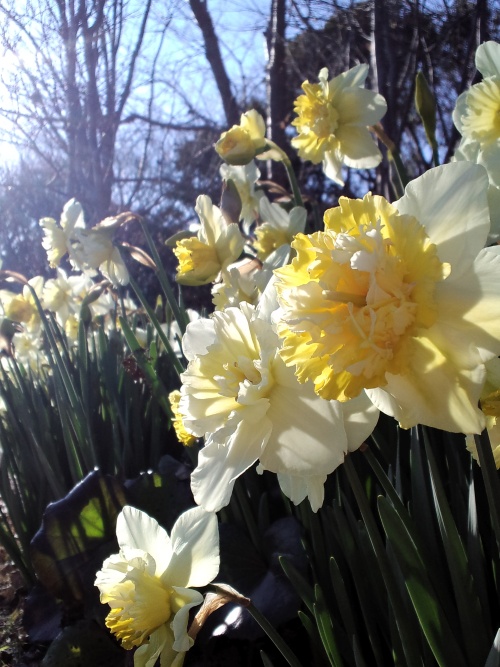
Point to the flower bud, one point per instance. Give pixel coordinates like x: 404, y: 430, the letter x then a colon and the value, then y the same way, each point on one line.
x: 426, y: 107
x: 240, y: 144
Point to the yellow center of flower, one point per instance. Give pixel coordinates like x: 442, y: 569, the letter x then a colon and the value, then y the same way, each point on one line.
x: 355, y: 295
x: 139, y: 604
x: 198, y: 261
x: 268, y: 239
x: 182, y: 434
x: 20, y: 309
x: 317, y: 123
x: 236, y: 372
x: 482, y: 119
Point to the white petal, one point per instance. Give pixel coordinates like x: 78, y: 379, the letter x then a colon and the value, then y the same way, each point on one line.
x: 308, y: 435
x: 137, y: 530
x: 219, y: 464
x: 358, y: 106
x: 211, y: 220
x: 298, y: 488
x: 460, y: 110
x: 434, y: 393
x: 358, y: 147
x: 159, y: 640
x: 356, y: 76
x: 451, y: 203
x: 488, y: 59
x: 471, y: 304
x: 182, y: 641
x: 195, y: 547
x: 332, y: 166
x: 199, y: 335
x: 360, y: 418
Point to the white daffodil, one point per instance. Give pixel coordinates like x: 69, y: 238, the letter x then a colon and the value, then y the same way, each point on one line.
x: 58, y: 239
x: 246, y: 280
x: 217, y: 244
x: 63, y: 295
x: 477, y: 118
x: 332, y: 121
x: 244, y: 178
x: 28, y: 350
x: 490, y: 405
x: 477, y: 111
x: 278, y: 227
x: 148, y: 584
x: 95, y: 251
x: 22, y: 307
x: 239, y: 395
x: 400, y: 300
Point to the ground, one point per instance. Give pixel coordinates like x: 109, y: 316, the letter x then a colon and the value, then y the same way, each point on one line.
x: 15, y: 649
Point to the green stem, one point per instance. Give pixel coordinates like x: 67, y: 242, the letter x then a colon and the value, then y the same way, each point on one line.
x: 490, y: 477
x: 247, y: 514
x: 435, y: 155
x: 297, y: 197
x: 276, y: 638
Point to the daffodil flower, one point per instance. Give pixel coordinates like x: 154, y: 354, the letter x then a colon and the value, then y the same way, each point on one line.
x: 490, y: 405
x: 63, y: 295
x: 477, y: 110
x: 400, y: 300
x: 332, y: 121
x: 95, y: 250
x: 22, y: 307
x: 148, y: 584
x: 238, y: 394
x: 217, y: 244
x: 240, y: 144
x: 244, y: 178
x: 58, y: 239
x: 278, y: 227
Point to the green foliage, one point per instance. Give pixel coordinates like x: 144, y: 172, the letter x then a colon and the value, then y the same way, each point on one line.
x: 93, y: 408
x: 412, y: 557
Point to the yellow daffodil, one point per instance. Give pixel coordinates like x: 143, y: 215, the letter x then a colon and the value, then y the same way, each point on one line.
x: 278, y: 227
x: 240, y: 144
x: 399, y: 299
x: 148, y: 584
x: 217, y: 244
x: 240, y: 396
x: 332, y: 121
x: 183, y: 436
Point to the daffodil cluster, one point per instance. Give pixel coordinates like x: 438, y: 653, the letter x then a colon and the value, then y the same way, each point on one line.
x: 390, y: 307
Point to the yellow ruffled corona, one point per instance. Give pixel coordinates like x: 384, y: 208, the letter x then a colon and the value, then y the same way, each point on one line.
x: 397, y: 299
x: 183, y: 436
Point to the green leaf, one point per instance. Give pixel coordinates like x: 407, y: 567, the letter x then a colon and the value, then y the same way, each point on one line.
x: 73, y: 532
x: 432, y: 620
x: 474, y: 634
x: 84, y: 645
x: 493, y: 659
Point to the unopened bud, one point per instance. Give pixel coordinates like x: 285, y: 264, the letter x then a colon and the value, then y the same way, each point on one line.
x: 426, y: 107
